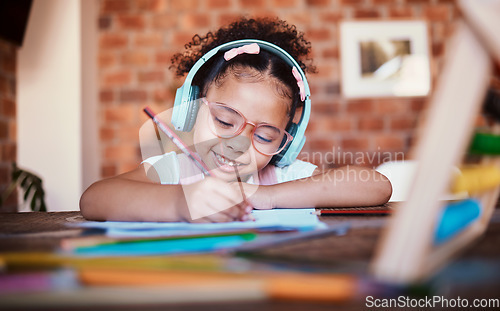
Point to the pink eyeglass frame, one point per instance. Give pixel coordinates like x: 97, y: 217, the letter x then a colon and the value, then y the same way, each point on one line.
x: 289, y: 137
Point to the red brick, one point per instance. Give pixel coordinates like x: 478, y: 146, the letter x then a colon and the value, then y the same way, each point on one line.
x: 128, y: 133
x: 390, y: 142
x: 151, y: 76
x: 106, y: 96
x: 323, y: 124
x: 8, y: 108
x: 370, y: 123
x: 9, y: 152
x: 8, y: 64
x: 392, y: 106
x: 403, y: 123
x: 108, y: 170
x: 149, y: 40
x: 351, y: 2
x: 106, y: 134
x: 4, y: 175
x: 402, y: 12
x: 439, y: 13
x: 284, y: 3
x: 106, y: 60
x: 133, y: 96
x: 105, y: 22
x: 324, y: 108
x: 360, y: 106
x: 135, y: 58
x: 115, y: 6
x: 437, y: 49
x: 164, y: 21
x: 355, y: 143
x: 218, y: 4
x: 122, y: 151
x: 180, y: 38
x: 320, y: 144
x: 318, y: 34
x: 4, y: 85
x: 366, y: 13
x: 113, y: 41
x: 331, y: 52
x: 163, y: 58
x: 117, y: 78
x: 121, y: 114
x: 195, y: 20
x: 417, y: 105
x: 331, y: 17
x: 248, y: 4
x: 148, y: 6
x: 12, y: 131
x: 328, y: 71
x: 184, y: 5
x: 318, y: 3
x: 332, y: 88
x: 227, y: 18
x: 385, y: 2
x: 131, y: 22
x: 299, y: 19
x: 163, y: 95
x: 4, y: 129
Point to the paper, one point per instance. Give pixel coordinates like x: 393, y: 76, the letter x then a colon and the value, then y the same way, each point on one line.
x: 276, y: 219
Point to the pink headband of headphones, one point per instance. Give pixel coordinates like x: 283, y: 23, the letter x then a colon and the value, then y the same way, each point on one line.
x: 255, y: 49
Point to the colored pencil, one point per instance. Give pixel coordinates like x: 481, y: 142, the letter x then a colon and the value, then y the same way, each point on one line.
x: 351, y: 212
x: 178, y: 141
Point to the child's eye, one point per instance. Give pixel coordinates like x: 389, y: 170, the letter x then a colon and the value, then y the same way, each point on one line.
x: 223, y: 123
x: 262, y: 139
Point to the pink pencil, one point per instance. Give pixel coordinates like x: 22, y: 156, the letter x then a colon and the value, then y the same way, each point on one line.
x: 177, y: 141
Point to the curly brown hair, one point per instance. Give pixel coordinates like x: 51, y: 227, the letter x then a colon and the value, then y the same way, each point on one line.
x: 273, y: 30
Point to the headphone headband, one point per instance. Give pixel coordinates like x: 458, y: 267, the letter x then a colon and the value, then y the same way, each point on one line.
x: 186, y: 106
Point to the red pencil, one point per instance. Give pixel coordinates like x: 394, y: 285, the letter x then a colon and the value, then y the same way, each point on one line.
x: 350, y: 212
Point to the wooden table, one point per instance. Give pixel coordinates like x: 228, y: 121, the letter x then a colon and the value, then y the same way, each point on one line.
x: 351, y: 253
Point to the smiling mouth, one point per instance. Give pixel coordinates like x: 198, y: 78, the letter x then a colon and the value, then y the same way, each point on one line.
x: 226, y: 161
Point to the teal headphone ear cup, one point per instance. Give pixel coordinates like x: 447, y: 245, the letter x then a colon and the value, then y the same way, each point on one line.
x: 193, y: 107
x: 186, y: 108
x: 282, y: 158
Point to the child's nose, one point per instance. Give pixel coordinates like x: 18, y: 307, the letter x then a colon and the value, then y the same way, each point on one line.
x: 240, y: 143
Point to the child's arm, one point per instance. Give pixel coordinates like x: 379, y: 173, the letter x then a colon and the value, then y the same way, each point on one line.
x: 342, y: 187
x: 134, y: 197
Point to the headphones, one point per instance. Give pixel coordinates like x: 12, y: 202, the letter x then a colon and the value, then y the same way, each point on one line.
x: 186, y: 104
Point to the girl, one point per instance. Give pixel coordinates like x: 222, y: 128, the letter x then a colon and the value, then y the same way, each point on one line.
x: 251, y: 101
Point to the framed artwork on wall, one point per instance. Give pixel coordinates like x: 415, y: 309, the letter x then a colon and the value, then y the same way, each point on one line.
x: 384, y: 58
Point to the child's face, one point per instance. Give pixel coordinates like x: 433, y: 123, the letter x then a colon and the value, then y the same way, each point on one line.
x: 258, y: 102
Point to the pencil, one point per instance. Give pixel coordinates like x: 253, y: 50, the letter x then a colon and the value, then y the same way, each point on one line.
x: 177, y: 141
x: 350, y: 212
x: 241, y: 189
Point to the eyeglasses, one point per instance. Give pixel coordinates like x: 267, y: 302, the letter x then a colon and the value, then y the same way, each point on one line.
x: 226, y: 122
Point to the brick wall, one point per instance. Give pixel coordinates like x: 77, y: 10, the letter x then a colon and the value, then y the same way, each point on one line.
x: 137, y: 39
x: 8, y: 53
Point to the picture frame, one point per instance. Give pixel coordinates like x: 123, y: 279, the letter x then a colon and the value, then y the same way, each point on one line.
x: 385, y: 58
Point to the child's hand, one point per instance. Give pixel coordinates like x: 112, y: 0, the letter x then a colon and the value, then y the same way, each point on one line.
x: 214, y: 200
x: 260, y: 197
